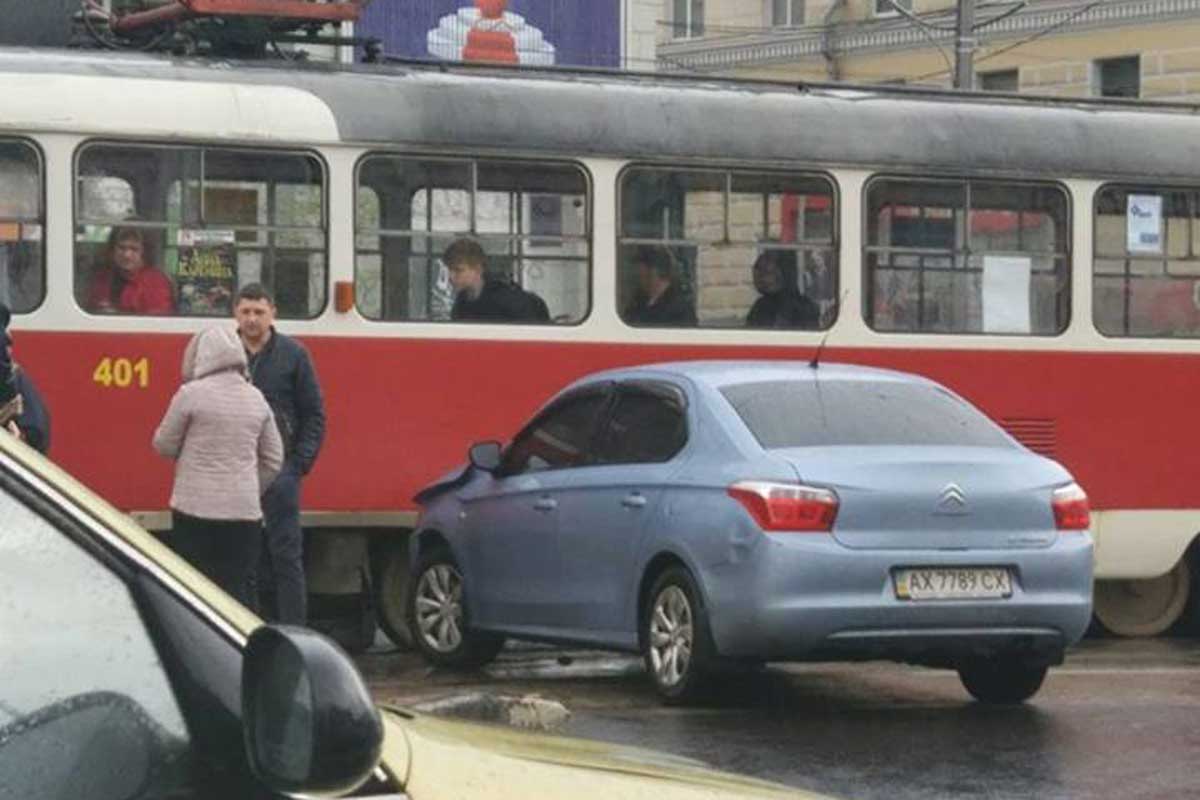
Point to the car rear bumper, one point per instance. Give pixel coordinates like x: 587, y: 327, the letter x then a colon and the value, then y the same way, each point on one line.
x: 806, y: 597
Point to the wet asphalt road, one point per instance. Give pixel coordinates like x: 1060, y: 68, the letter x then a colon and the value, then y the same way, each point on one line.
x: 1120, y: 720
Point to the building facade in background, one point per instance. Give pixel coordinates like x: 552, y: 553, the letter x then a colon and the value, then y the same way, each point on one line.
x: 1081, y: 48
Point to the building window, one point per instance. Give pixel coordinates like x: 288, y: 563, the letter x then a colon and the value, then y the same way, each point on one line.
x: 1119, y: 77
x: 179, y: 229
x: 959, y: 256
x: 887, y: 8
x: 715, y: 248
x: 22, y: 222
x: 787, y: 13
x: 688, y: 19
x: 1003, y: 80
x: 1146, y: 273
x: 530, y: 218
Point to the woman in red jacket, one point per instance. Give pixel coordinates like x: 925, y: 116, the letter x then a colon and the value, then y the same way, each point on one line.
x: 128, y: 285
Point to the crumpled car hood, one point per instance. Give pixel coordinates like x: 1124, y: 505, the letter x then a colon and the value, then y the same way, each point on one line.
x: 451, y: 480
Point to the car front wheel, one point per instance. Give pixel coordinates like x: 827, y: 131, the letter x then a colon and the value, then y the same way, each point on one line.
x: 437, y: 615
x: 1001, y: 681
x: 675, y: 638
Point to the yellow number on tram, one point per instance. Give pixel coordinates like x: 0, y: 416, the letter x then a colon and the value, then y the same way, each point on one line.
x: 122, y: 373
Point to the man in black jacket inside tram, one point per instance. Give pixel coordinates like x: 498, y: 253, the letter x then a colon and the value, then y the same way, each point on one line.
x: 482, y: 297
x: 660, y: 298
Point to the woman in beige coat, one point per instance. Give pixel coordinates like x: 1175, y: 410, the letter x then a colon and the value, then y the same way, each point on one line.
x: 222, y: 434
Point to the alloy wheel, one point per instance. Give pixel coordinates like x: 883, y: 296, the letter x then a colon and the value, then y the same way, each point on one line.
x: 671, y: 636
x: 439, y: 608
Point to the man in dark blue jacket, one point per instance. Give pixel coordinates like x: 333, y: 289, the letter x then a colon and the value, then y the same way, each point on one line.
x: 282, y: 370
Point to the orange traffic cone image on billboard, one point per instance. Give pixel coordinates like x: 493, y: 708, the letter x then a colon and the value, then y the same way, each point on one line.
x: 489, y: 39
x: 487, y: 31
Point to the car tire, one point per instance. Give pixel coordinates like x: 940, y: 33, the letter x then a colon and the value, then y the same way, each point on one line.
x: 676, y: 642
x: 1001, y: 681
x: 391, y: 592
x: 437, y: 615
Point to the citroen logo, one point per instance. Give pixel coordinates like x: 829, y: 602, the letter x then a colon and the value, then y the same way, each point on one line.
x: 952, y: 500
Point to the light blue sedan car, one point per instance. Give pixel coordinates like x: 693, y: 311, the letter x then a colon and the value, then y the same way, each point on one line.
x: 715, y: 514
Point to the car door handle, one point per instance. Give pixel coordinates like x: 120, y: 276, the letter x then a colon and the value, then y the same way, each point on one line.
x: 545, y: 504
x: 634, y: 500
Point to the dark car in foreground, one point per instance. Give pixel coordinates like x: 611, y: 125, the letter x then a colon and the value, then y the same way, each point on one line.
x: 722, y: 514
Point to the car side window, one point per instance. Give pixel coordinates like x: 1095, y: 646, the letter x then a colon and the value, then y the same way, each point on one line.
x: 85, y: 705
x: 644, y: 428
x: 558, y: 439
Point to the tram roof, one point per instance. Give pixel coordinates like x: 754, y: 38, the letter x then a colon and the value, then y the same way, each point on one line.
x: 644, y: 116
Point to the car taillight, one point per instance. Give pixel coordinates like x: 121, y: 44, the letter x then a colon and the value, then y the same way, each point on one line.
x: 1071, y: 512
x: 787, y: 506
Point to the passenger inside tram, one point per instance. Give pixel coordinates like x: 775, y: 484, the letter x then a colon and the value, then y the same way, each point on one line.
x: 125, y: 282
x: 781, y: 302
x: 661, y: 299
x: 482, y: 295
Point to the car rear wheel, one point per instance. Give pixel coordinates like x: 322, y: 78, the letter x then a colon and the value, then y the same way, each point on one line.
x: 437, y: 615
x: 1001, y: 681
x: 676, y: 644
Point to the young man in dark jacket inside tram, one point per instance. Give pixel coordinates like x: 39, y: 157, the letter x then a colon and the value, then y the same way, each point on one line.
x: 481, y: 297
x: 281, y: 369
x: 660, y: 298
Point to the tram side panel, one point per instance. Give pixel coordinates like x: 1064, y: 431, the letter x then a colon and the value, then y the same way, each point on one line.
x: 403, y: 411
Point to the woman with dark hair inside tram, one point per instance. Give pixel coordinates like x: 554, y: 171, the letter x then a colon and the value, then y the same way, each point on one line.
x: 126, y: 284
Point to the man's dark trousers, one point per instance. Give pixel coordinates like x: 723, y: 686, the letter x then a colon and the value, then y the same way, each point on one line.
x: 282, y: 567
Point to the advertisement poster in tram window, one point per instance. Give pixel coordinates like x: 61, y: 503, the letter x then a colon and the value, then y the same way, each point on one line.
x: 205, y: 277
x: 533, y: 32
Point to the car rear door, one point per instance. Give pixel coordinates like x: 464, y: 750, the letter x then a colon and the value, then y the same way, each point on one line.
x: 512, y: 519
x: 609, y: 506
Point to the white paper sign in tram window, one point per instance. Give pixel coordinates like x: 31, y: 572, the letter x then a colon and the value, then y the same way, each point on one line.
x: 1143, y: 223
x: 1006, y: 294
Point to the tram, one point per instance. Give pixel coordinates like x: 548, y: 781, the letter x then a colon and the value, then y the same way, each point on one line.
x: 1039, y: 256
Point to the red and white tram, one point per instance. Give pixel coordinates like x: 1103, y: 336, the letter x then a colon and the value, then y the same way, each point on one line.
x: 1042, y: 258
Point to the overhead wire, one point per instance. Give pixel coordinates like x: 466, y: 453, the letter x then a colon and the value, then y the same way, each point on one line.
x: 1027, y: 40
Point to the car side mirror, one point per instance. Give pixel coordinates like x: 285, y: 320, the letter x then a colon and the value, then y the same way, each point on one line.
x: 485, y: 456
x: 309, y: 723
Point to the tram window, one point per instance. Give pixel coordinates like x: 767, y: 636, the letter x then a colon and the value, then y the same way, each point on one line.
x: 530, y: 217
x: 730, y: 249
x: 22, y: 221
x: 1146, y: 273
x: 966, y: 256
x: 200, y: 222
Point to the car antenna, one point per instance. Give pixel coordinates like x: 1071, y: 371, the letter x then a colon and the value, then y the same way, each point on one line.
x: 816, y: 359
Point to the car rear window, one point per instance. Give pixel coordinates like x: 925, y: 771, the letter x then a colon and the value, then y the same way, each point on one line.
x: 828, y: 413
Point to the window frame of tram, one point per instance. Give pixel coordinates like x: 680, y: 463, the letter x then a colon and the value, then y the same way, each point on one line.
x: 22, y: 225
x: 1161, y: 310
x: 544, y: 206
x: 725, y: 296
x: 211, y: 218
x: 938, y: 246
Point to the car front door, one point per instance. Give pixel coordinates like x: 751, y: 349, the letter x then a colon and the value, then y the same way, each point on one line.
x: 610, y: 505
x: 512, y: 518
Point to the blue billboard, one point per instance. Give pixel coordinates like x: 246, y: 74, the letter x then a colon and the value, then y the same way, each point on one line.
x: 539, y: 32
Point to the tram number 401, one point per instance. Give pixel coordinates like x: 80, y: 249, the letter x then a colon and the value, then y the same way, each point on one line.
x: 122, y: 373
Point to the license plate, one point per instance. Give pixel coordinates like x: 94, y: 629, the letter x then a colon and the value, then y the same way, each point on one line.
x: 953, y: 583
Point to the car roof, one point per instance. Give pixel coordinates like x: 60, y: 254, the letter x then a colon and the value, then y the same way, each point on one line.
x: 730, y: 372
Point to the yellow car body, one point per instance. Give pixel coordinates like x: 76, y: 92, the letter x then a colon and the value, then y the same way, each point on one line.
x: 423, y: 757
